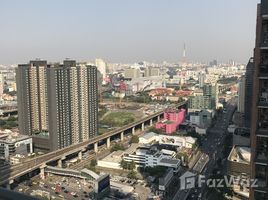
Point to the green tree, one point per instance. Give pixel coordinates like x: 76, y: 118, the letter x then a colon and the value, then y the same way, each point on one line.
x: 93, y: 163
x: 134, y: 139
x: 11, y: 118
x: 12, y: 124
x: 132, y: 174
x: 117, y: 147
x: 2, y: 122
x: 127, y: 165
x: 123, y: 164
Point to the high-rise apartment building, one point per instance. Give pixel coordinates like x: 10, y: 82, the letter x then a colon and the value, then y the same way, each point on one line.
x: 150, y: 71
x: 248, y: 91
x: 101, y: 65
x: 67, y: 92
x: 73, y: 105
x: 32, y: 97
x: 132, y: 73
x: 259, y: 121
x: 201, y: 79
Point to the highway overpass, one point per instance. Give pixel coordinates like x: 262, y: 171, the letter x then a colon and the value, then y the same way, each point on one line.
x: 8, y: 175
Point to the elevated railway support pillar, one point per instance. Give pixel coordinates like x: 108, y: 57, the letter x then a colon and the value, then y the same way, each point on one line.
x: 80, y: 155
x: 151, y: 122
x: 133, y: 130
x: 96, y: 147
x: 142, y: 126
x: 60, y: 163
x: 8, y: 185
x: 42, y: 172
x: 158, y: 118
x: 122, y: 136
x: 108, y: 141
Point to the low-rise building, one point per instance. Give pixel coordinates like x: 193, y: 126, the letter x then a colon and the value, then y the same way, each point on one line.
x: 165, y: 180
x: 13, y: 143
x: 202, y: 118
x: 142, y: 156
x: 152, y: 157
x: 148, y: 138
x: 113, y: 160
x: 172, y: 120
x: 238, y: 166
x: 179, y: 141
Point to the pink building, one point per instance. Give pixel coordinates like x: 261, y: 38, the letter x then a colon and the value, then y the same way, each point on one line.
x: 172, y: 120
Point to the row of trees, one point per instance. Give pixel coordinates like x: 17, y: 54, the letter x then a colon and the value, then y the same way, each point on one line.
x: 11, y: 122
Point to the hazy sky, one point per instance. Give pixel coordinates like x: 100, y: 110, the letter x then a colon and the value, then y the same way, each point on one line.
x: 127, y: 30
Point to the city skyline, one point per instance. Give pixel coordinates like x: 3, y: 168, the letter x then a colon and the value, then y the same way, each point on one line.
x: 127, y: 32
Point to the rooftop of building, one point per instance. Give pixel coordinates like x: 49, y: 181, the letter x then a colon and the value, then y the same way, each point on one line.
x: 170, y: 161
x: 240, y: 154
x: 115, y: 156
x: 132, y: 149
x: 148, y: 135
x: 9, y: 136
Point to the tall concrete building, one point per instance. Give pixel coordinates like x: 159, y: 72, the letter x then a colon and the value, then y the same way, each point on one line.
x: 241, y: 95
x: 248, y: 91
x: 150, y: 71
x: 259, y: 121
x: 72, y: 102
x: 32, y: 97
x: 101, y: 65
x: 132, y: 73
x: 59, y: 99
x: 201, y: 79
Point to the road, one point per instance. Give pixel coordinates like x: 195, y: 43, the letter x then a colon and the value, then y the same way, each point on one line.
x: 212, y: 147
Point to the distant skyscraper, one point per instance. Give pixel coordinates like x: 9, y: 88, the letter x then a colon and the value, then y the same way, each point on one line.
x: 1, y: 86
x: 248, y: 91
x: 259, y: 119
x: 101, y: 65
x: 184, y: 54
x: 60, y: 100
x: 132, y: 73
x: 241, y: 95
x: 32, y: 97
x: 201, y: 79
x: 150, y: 71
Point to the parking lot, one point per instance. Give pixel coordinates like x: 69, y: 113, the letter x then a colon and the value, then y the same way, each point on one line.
x: 59, y: 187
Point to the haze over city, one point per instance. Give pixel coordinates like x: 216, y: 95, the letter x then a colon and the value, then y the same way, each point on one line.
x: 127, y: 31
x: 136, y: 100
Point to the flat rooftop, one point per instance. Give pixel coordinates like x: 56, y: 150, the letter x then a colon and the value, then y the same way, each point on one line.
x: 132, y: 149
x: 115, y: 156
x: 170, y: 161
x: 148, y: 135
x: 240, y: 154
x: 8, y: 136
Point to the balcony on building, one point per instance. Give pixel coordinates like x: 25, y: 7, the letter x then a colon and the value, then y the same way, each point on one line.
x: 264, y: 36
x: 263, y: 98
x: 262, y: 177
x: 262, y: 151
x: 264, y: 9
x: 262, y: 124
x: 263, y: 70
x: 262, y: 128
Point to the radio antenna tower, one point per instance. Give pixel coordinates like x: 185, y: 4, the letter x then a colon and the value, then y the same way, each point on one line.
x: 184, y: 53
